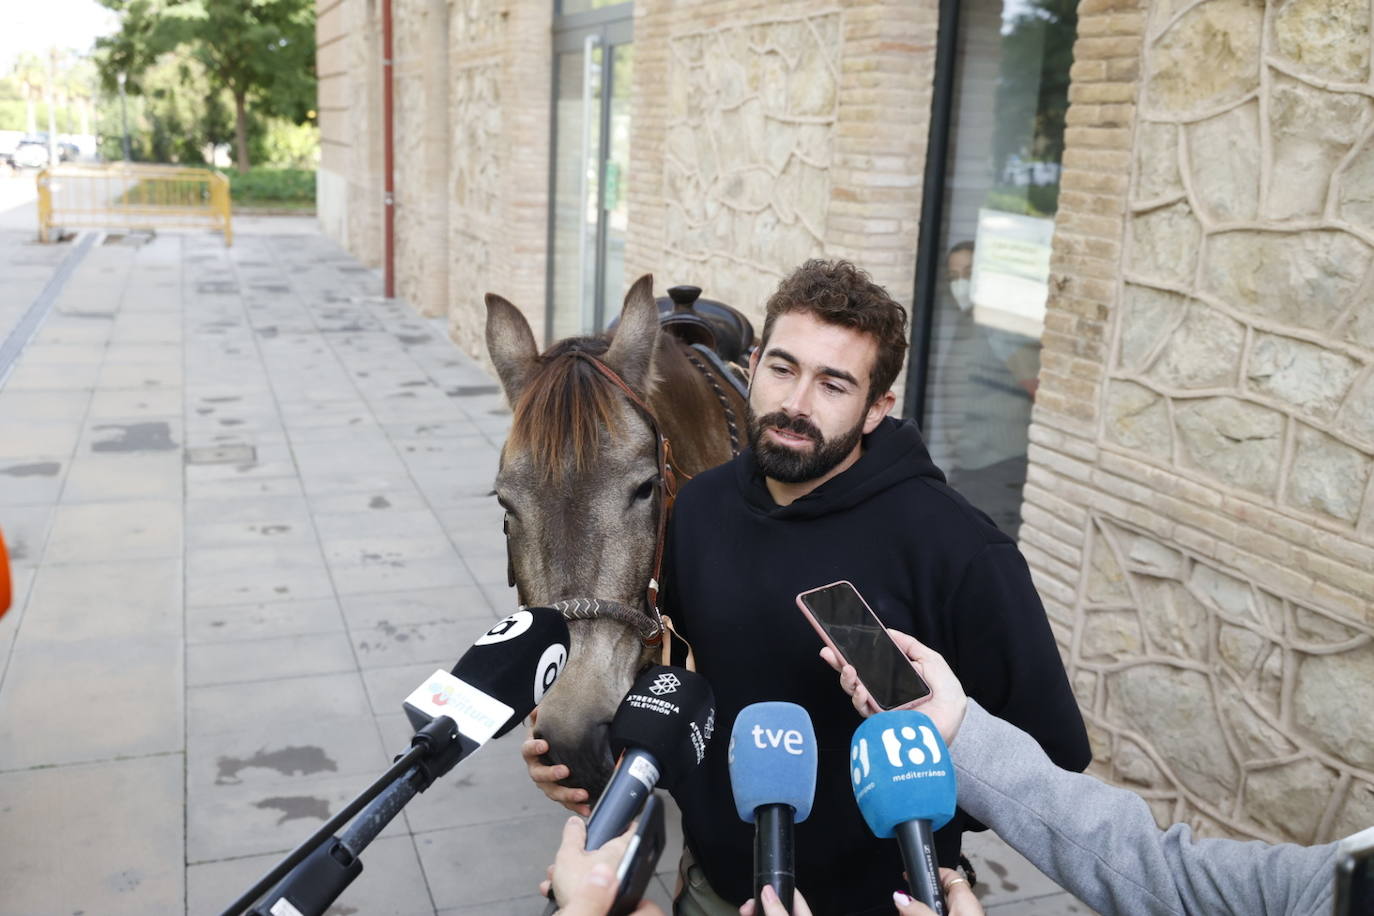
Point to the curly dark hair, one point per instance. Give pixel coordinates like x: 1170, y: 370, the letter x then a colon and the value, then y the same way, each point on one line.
x: 837, y: 292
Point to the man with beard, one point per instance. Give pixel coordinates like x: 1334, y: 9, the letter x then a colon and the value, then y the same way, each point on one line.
x: 832, y: 488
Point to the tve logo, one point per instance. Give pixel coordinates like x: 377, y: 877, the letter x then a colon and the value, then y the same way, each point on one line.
x: 772, y: 759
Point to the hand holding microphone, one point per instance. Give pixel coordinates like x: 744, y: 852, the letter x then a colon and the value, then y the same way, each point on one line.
x: 773, y: 776
x: 904, y: 783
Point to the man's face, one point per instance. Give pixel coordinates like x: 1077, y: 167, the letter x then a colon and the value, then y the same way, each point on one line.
x: 808, y: 398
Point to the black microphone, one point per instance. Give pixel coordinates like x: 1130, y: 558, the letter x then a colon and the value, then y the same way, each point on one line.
x: 495, y: 684
x: 660, y: 732
x: 498, y: 681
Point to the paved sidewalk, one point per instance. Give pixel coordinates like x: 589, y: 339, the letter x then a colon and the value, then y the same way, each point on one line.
x: 248, y: 505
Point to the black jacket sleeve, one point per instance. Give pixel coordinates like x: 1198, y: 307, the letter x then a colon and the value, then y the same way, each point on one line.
x: 1006, y: 657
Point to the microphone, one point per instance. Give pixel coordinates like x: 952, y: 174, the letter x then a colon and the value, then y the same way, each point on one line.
x: 904, y: 784
x: 660, y: 731
x: 6, y: 589
x: 498, y: 681
x: 773, y: 777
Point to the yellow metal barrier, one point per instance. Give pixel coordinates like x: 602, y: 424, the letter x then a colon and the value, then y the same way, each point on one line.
x: 133, y: 196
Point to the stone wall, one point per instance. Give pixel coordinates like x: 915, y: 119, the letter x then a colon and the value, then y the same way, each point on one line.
x: 499, y: 77
x: 1199, y: 513
x: 332, y: 107
x: 767, y: 133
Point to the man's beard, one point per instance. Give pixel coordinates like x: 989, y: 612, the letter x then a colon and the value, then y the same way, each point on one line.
x: 789, y: 465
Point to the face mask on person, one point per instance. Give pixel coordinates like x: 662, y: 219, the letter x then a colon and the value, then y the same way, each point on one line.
x: 961, y: 290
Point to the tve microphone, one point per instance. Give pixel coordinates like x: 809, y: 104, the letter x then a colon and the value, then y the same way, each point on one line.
x: 660, y: 732
x: 904, y: 784
x: 498, y: 681
x: 773, y: 776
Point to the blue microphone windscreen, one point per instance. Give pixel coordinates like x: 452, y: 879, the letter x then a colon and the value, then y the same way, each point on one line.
x: 901, y: 771
x: 773, y: 759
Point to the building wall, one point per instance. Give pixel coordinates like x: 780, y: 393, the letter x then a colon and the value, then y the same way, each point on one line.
x: 765, y: 133
x: 333, y: 107
x: 1199, y: 514
x: 423, y: 144
x: 499, y: 74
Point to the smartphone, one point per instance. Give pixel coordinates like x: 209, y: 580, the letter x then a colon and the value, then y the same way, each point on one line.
x: 1355, y: 875
x: 848, y: 625
x: 637, y: 865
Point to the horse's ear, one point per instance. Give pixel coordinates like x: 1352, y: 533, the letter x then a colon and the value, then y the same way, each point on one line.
x: 636, y: 337
x: 511, y: 345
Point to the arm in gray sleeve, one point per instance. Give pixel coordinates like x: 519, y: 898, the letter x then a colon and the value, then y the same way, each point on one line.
x: 1101, y: 842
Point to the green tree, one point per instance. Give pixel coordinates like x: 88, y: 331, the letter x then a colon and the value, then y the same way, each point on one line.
x: 262, y: 52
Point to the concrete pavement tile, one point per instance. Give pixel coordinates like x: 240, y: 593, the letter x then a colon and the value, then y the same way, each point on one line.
x: 228, y: 623
x: 30, y: 481
x: 268, y: 528
x: 106, y: 601
x: 63, y: 354
x: 42, y: 405
x: 391, y: 883
x: 143, y: 354
x: 21, y: 582
x: 516, y: 906
x: 144, y: 327
x: 368, y: 454
x: 75, y: 329
x: 281, y: 752
x: 1060, y: 904
x: 502, y: 597
x: 360, y: 501
x: 38, y: 437
x: 379, y: 527
x: 243, y: 488
x: 474, y: 527
x: 268, y: 460
x: 228, y: 662
x: 131, y: 437
x: 332, y: 483
x: 142, y: 475
x: 387, y: 688
x: 26, y: 532
x: 132, y: 530
x: 488, y: 569
x: 1007, y: 879
x: 492, y: 785
x: 446, y: 429
x: 249, y: 510
x: 137, y: 678
x: 100, y: 838
x: 445, y: 489
x: 467, y: 463
x: 384, y: 575
x: 157, y: 375
x: 415, y: 626
x: 248, y: 820
x: 40, y: 377
x: 487, y: 863
x: 242, y: 575
x: 366, y: 433
x: 136, y: 404
x: 292, y: 702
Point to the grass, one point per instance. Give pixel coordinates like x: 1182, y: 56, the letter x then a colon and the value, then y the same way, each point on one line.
x: 276, y: 188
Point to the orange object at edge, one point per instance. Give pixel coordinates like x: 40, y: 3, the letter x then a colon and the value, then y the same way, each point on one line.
x: 5, y: 593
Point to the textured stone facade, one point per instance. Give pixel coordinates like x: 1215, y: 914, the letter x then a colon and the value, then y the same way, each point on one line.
x: 1199, y: 508
x: 767, y: 133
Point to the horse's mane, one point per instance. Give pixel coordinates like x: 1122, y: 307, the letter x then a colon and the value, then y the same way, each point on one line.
x: 560, y: 416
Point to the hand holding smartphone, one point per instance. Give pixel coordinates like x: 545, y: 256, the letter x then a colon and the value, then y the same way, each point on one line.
x: 849, y: 627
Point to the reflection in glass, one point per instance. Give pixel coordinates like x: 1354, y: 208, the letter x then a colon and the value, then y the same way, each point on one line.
x: 617, y: 210
x: 1002, y: 191
x: 577, y: 140
x: 568, y: 7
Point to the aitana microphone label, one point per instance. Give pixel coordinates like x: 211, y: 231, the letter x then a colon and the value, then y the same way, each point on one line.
x: 476, y: 714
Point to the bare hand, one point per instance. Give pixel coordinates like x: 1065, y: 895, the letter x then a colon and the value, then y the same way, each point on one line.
x: 946, y: 703
x: 772, y: 906
x: 959, y: 899
x: 547, y: 777
x: 584, y: 882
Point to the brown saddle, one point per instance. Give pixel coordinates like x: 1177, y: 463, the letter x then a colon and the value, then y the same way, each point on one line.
x: 713, y: 325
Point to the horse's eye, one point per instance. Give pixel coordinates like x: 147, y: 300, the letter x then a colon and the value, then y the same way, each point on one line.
x: 646, y: 489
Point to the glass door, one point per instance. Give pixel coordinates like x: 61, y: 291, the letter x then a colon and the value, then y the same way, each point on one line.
x: 593, y: 66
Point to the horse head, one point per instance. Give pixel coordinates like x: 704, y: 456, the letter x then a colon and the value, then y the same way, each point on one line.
x: 579, y: 480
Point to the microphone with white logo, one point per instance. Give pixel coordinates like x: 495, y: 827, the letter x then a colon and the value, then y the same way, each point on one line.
x: 660, y: 732
x: 904, y: 784
x: 495, y: 684
x: 773, y: 777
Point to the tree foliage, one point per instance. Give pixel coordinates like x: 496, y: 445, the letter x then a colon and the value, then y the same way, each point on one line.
x: 261, y: 52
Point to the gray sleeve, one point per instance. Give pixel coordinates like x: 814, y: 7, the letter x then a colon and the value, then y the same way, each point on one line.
x: 1101, y: 842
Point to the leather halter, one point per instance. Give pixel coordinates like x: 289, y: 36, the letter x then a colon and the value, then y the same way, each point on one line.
x: 668, y: 476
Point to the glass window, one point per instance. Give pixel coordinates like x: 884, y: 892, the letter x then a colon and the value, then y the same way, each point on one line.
x: 1001, y: 194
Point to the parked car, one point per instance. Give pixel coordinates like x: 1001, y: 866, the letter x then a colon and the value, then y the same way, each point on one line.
x: 30, y: 154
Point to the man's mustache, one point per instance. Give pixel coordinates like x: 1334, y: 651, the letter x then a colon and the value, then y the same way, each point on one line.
x: 798, y: 425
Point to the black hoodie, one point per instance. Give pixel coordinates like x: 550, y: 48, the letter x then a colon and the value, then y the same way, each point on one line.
x: 928, y: 563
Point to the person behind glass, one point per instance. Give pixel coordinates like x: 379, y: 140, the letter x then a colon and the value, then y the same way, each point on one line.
x: 832, y: 488
x: 1098, y: 841
x: 985, y: 382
